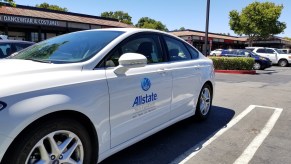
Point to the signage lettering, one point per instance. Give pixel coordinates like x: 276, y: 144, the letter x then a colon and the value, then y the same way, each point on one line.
x: 24, y: 20
x: 139, y: 100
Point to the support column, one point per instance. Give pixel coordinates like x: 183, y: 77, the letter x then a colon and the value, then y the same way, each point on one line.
x: 39, y: 34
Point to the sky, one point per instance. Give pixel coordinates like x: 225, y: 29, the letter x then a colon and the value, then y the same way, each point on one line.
x: 190, y: 14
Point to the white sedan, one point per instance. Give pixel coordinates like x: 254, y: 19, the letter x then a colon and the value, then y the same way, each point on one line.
x: 216, y: 52
x: 83, y: 96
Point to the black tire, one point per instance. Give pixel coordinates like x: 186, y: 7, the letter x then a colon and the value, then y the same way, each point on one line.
x: 283, y: 63
x: 200, y: 115
x: 257, y: 66
x: 20, y: 149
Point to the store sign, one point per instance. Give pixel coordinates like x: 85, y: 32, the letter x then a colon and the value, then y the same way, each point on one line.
x: 34, y: 21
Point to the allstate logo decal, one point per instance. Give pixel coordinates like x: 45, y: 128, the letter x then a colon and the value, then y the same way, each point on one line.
x: 145, y: 84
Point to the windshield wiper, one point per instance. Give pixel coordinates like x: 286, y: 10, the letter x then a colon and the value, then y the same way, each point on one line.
x: 38, y: 60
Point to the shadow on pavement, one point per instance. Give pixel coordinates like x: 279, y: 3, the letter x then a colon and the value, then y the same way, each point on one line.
x: 166, y: 145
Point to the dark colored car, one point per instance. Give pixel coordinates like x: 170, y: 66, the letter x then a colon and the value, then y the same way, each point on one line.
x: 260, y: 62
x: 8, y: 47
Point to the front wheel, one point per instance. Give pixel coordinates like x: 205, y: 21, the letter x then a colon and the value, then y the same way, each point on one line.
x: 53, y: 141
x: 204, y: 103
x: 257, y: 66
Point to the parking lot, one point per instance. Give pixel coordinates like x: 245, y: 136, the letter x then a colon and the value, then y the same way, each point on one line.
x: 250, y: 122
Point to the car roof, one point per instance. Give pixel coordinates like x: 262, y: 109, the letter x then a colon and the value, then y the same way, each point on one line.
x: 15, y: 41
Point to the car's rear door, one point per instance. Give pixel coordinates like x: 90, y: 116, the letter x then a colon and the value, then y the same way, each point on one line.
x: 186, y: 73
x: 140, y: 99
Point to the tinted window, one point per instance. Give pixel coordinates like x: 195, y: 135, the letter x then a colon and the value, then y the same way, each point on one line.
x: 72, y: 47
x: 261, y: 50
x: 147, y: 45
x: 176, y: 49
x: 270, y: 51
x: 251, y: 49
x: 194, y: 53
x: 5, y: 50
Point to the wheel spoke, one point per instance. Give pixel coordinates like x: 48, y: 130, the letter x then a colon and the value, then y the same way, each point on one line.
x: 70, y: 151
x: 43, y: 152
x: 65, y: 144
x: 53, y: 144
x: 42, y: 162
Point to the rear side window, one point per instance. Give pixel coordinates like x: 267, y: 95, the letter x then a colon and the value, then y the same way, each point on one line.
x: 176, y: 49
x: 194, y: 53
x: 261, y: 50
x: 270, y: 51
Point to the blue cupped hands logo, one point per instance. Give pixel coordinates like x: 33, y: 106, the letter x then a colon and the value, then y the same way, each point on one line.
x: 145, y: 84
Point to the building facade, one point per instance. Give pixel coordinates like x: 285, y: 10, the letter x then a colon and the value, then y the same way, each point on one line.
x: 37, y: 24
x: 219, y: 41
x: 215, y: 41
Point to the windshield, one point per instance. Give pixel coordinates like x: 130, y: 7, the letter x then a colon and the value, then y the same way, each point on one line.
x: 68, y: 48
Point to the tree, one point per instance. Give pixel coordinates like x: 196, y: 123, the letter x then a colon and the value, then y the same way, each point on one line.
x: 182, y: 29
x: 11, y: 2
x: 146, y: 22
x: 287, y: 38
x: 51, y: 7
x: 257, y: 20
x: 120, y: 15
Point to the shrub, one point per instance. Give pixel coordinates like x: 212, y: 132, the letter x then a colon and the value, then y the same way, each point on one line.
x: 233, y: 63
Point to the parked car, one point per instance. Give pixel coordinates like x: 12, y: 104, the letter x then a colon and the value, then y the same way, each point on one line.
x: 83, y: 96
x: 216, y: 52
x: 275, y: 55
x: 286, y: 51
x: 261, y: 63
x: 3, y: 37
x: 8, y: 47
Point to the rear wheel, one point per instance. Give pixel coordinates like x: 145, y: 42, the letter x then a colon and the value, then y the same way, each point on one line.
x: 283, y: 63
x: 53, y: 141
x: 204, y: 103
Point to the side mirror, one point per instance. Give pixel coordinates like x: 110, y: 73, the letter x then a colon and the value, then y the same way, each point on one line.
x: 130, y: 60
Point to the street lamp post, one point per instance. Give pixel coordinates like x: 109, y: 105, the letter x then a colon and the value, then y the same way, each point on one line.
x: 206, y: 28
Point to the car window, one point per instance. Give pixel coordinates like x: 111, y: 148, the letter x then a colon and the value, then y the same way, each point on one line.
x: 261, y: 50
x: 69, y: 48
x: 270, y: 51
x: 176, y: 49
x: 194, y: 53
x: 147, y: 45
x: 5, y: 50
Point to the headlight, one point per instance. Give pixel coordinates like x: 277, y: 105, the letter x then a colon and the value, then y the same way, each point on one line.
x: 2, y: 105
x: 262, y: 58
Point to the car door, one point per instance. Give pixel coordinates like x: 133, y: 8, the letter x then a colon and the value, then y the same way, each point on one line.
x: 140, y: 100
x: 272, y: 55
x: 186, y: 72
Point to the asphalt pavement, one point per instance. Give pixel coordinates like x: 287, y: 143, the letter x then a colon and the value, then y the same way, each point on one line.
x: 249, y: 123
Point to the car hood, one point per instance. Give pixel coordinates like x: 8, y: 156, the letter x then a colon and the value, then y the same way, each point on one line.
x: 18, y: 76
x: 13, y: 67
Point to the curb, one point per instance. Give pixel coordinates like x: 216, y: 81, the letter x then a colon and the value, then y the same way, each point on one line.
x: 252, y: 72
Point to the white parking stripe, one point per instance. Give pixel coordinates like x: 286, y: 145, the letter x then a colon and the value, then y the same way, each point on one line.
x: 250, y: 151
x: 194, y: 150
x: 259, y: 139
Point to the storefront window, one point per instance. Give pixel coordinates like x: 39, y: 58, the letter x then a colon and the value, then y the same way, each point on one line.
x: 34, y: 37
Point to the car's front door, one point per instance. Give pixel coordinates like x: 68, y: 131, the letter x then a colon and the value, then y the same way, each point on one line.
x: 140, y: 99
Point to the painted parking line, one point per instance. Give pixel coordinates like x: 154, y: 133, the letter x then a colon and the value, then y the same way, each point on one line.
x: 250, y: 151
x: 246, y: 156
